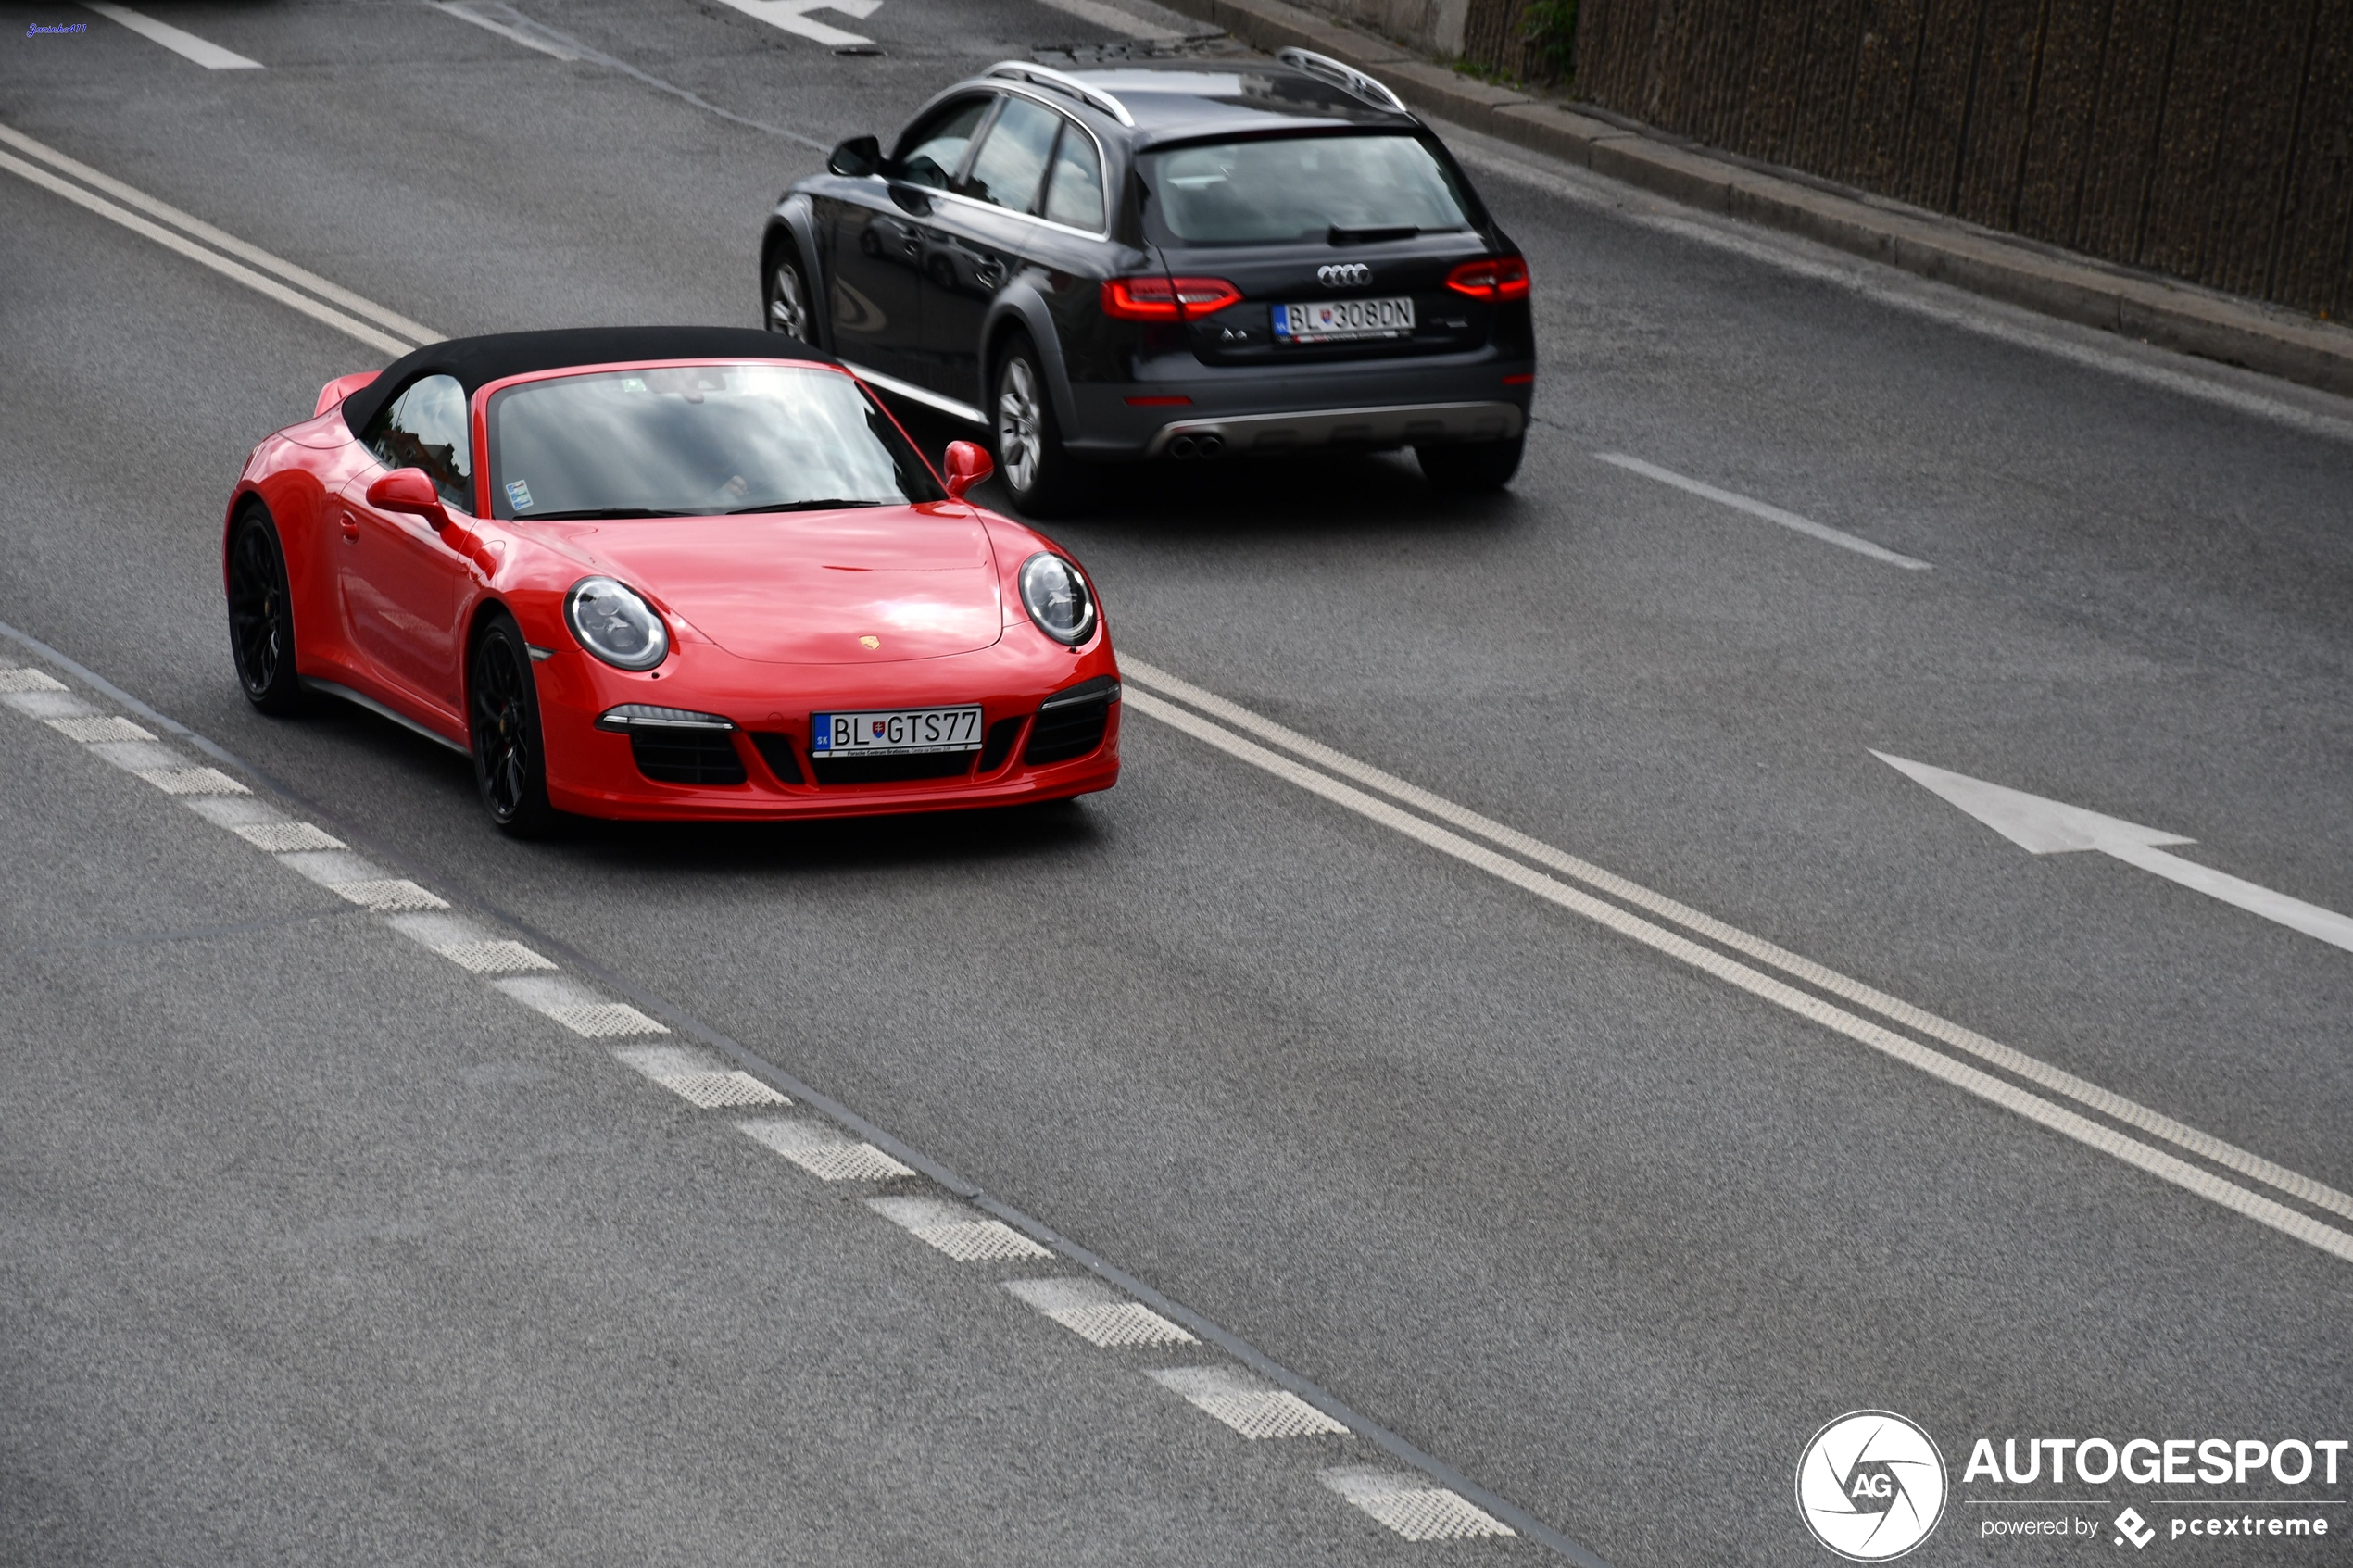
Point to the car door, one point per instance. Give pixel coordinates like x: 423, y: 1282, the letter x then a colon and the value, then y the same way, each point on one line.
x: 876, y: 285
x: 977, y: 239
x: 400, y: 580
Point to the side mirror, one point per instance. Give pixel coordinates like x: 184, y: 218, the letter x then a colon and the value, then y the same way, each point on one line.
x: 857, y: 158
x: 967, y: 465
x: 407, y: 490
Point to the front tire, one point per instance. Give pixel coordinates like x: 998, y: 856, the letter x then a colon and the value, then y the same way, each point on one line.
x: 502, y: 709
x: 790, y: 305
x: 1471, y: 468
x: 1038, y: 473
x: 261, y: 616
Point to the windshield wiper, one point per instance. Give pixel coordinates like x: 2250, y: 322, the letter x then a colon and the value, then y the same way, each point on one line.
x: 1339, y: 236
x: 597, y: 512
x: 827, y: 505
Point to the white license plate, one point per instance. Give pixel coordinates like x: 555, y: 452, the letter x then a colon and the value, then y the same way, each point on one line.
x: 894, y: 732
x: 1336, y: 320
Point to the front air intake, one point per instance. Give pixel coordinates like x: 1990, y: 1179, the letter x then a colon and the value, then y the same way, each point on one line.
x: 1072, y: 723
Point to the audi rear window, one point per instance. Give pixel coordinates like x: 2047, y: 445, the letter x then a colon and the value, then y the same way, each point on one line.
x: 1291, y: 188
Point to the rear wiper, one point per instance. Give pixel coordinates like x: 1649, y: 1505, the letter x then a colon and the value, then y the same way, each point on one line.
x: 1339, y: 236
x: 586, y: 512
x: 828, y: 504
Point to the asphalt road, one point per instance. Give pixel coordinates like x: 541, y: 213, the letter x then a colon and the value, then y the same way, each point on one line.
x: 319, y: 1248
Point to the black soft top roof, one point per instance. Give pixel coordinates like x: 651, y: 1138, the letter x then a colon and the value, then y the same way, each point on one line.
x: 478, y: 361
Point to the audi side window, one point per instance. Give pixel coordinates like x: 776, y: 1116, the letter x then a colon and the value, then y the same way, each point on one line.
x: 1075, y: 189
x: 937, y: 150
x: 427, y: 427
x: 1012, y: 160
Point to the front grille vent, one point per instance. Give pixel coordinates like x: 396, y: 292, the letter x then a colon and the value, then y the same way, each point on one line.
x: 777, y: 752
x: 1001, y: 736
x: 686, y: 757
x: 1071, y: 723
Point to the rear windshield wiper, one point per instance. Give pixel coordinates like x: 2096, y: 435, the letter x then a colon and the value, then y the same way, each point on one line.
x: 828, y: 504
x: 1339, y: 236
x: 587, y: 513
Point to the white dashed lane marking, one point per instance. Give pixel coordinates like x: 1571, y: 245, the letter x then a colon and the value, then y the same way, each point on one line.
x: 1099, y: 1313
x: 106, y: 727
x: 1409, y: 1504
x: 823, y: 1151
x: 1095, y: 1309
x: 697, y: 1079
x: 577, y: 1008
x: 1247, y: 1402
x: 180, y: 41
x: 955, y: 1230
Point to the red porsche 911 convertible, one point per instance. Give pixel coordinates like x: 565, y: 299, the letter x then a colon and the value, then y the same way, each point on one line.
x: 665, y: 572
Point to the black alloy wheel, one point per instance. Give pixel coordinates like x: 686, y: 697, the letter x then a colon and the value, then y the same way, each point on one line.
x: 791, y: 307
x: 261, y: 616
x: 1471, y: 468
x: 1040, y: 475
x: 510, y: 768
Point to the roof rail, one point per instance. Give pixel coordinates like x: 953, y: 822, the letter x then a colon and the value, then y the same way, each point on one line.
x: 1344, y: 75
x: 1044, y: 76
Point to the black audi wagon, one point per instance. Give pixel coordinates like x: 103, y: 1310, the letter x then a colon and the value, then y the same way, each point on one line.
x: 1179, y: 261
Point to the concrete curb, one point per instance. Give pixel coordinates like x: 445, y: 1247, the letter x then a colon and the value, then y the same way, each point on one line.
x: 2192, y: 321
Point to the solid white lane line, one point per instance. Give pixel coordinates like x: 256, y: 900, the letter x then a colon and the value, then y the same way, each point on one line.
x: 1111, y: 18
x: 1407, y: 1502
x: 187, y: 45
x: 1246, y: 1402
x: 514, y: 34
x: 221, y: 264
x: 1738, y: 502
x: 1910, y: 1052
x: 1098, y: 1312
x: 2032, y: 1068
x: 132, y: 197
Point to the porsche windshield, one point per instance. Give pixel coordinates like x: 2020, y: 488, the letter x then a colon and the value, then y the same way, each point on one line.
x: 696, y: 441
x: 1289, y: 188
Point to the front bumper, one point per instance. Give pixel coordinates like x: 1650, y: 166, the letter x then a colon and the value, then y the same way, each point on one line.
x: 599, y: 772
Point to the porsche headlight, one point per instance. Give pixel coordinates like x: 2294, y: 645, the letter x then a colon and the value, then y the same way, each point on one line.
x: 615, y: 624
x: 1056, y: 597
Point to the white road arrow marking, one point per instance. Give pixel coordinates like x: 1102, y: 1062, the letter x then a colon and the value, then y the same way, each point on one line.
x: 793, y: 17
x: 2047, y: 827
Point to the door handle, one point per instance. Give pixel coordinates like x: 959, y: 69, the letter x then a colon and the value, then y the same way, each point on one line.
x: 990, y: 274
x: 350, y: 526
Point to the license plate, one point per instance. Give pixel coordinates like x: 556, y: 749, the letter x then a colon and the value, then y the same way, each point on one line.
x: 1337, y: 321
x: 894, y: 732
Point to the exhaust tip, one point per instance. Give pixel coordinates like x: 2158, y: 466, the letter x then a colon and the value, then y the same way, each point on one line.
x: 1210, y: 445
x: 1183, y: 447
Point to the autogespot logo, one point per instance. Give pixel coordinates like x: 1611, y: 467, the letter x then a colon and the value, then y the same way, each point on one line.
x: 1870, y: 1486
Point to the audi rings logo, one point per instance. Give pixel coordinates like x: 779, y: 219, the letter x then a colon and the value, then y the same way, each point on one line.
x: 1344, y: 275
x: 1870, y: 1486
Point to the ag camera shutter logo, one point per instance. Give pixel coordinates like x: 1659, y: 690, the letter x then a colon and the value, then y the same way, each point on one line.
x: 1870, y: 1486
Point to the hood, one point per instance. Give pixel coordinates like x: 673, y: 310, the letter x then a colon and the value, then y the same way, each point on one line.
x: 805, y: 587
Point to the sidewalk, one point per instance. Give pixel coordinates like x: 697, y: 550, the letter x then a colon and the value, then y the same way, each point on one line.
x: 2041, y: 278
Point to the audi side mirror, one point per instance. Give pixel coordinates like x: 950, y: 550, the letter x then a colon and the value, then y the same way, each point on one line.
x: 967, y: 465
x: 407, y: 490
x: 857, y: 158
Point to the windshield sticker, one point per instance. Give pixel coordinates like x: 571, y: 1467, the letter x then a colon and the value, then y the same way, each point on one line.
x: 520, y: 494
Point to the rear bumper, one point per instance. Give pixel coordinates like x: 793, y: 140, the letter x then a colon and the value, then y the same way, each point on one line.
x: 1292, y: 408
x: 1405, y: 424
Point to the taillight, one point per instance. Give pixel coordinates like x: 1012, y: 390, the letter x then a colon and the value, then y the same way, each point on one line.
x: 1491, y: 277
x: 1167, y: 299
